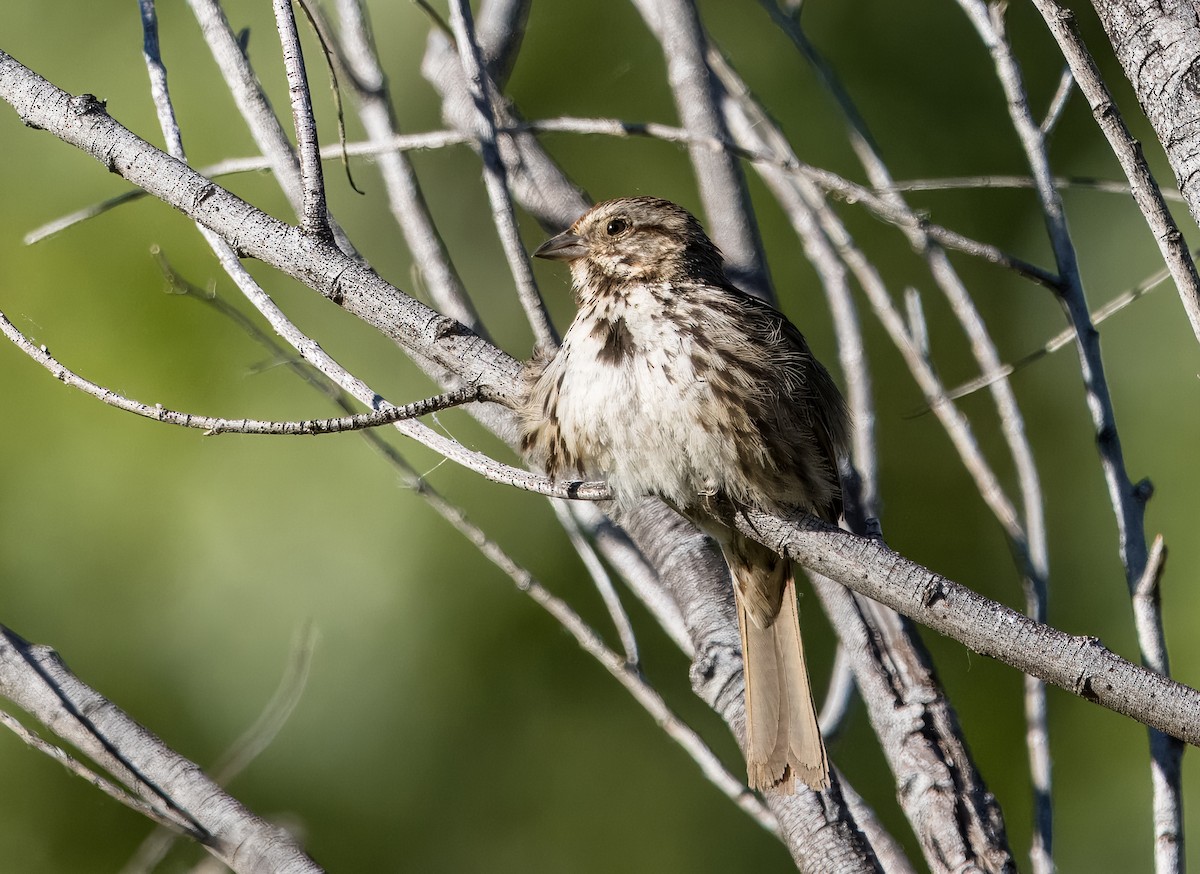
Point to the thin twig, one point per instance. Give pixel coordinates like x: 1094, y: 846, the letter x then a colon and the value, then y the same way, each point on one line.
x: 857, y: 131
x: 157, y: 70
x: 1058, y: 103
x: 639, y: 574
x: 489, y: 468
x: 386, y: 415
x: 602, y: 581
x: 313, y: 211
x: 1062, y: 183
x: 628, y: 676
x: 1166, y: 752
x: 1061, y: 339
x: 537, y: 182
x: 494, y: 176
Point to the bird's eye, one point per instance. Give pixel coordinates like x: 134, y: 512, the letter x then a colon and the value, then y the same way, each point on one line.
x: 616, y: 226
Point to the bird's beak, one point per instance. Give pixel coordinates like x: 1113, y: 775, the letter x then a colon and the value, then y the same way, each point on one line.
x: 565, y: 247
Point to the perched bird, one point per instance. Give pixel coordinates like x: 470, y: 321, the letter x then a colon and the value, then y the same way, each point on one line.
x: 672, y: 382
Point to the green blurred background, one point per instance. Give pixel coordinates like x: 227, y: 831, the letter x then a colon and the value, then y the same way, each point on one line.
x: 449, y: 724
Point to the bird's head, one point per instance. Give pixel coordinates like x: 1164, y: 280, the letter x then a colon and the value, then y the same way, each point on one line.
x: 636, y: 239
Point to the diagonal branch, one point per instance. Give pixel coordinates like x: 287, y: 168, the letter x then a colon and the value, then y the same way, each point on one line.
x: 35, y: 678
x: 730, y: 219
x: 1157, y: 45
x: 1080, y: 665
x: 494, y: 177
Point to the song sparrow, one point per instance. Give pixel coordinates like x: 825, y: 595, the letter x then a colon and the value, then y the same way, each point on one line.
x: 672, y: 382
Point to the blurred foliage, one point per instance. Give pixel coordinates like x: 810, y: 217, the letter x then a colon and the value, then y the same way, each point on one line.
x: 449, y: 724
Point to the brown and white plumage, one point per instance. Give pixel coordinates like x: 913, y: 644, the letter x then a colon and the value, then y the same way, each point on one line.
x: 672, y: 382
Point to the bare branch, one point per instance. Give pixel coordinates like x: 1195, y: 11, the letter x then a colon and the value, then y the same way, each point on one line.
x: 602, y: 582
x: 386, y: 415
x: 1080, y: 665
x: 1129, y: 153
x: 495, y: 178
x: 168, y: 818
x: 313, y: 211
x: 730, y: 218
x: 1166, y: 753
x: 405, y: 199
x: 1058, y: 103
x: 34, y: 678
x: 1157, y: 45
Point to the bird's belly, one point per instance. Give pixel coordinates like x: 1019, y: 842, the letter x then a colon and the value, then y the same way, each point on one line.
x: 644, y: 426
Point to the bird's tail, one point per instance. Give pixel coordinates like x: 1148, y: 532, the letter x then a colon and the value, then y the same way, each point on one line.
x: 783, y: 739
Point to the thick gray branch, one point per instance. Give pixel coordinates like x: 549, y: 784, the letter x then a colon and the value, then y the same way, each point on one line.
x: 34, y: 678
x: 1158, y: 45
